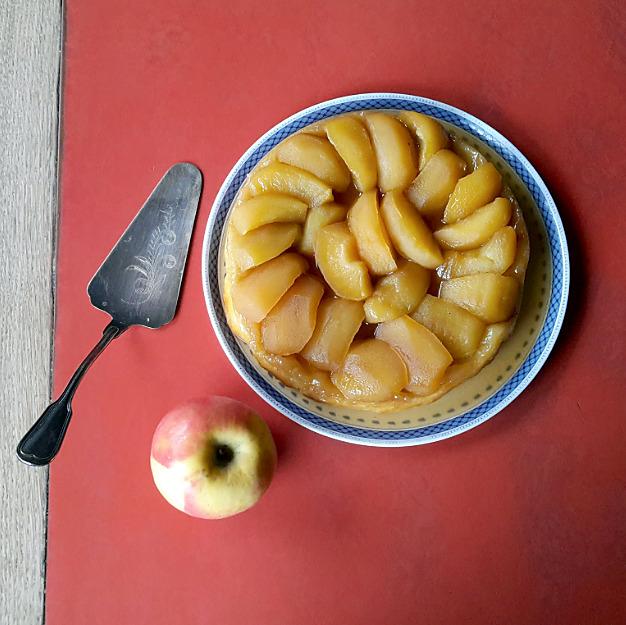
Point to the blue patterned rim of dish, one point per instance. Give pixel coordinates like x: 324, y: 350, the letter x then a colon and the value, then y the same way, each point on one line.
x: 390, y: 438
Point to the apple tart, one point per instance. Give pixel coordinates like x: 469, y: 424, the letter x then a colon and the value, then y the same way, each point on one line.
x: 374, y: 260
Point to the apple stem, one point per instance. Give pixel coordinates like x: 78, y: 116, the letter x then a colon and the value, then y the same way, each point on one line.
x: 223, y: 455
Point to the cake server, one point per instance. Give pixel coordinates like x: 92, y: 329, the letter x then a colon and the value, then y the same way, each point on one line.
x: 137, y: 284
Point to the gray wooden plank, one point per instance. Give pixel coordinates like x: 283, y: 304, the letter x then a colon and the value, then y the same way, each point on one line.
x: 30, y: 48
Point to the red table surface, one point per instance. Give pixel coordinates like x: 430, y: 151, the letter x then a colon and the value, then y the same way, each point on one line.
x: 520, y: 521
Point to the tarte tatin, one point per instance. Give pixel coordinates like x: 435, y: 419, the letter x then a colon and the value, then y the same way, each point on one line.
x: 374, y: 261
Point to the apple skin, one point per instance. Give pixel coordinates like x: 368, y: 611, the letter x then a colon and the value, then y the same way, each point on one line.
x: 212, y: 458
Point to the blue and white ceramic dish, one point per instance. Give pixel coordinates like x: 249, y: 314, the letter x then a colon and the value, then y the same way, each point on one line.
x: 497, y: 384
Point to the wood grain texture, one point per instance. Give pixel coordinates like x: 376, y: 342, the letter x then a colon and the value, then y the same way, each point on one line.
x: 30, y: 40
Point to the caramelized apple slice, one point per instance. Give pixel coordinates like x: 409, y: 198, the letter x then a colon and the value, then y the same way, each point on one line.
x: 317, y: 218
x: 430, y: 191
x: 422, y: 352
x: 371, y: 371
x: 258, y: 291
x: 398, y: 293
x: 429, y: 133
x: 283, y: 178
x: 395, y: 151
x: 408, y: 231
x: 473, y: 191
x: 370, y: 234
x: 489, y: 296
x: 476, y: 229
x: 262, y: 244
x: 315, y: 155
x: 338, y: 320
x: 290, y: 324
x: 338, y: 259
x: 265, y: 209
x: 495, y: 256
x: 458, y: 330
x: 350, y: 139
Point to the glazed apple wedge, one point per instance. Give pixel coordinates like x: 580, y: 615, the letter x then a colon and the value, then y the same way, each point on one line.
x: 350, y: 139
x: 372, y: 239
x: 337, y: 257
x: 480, y: 187
x: 423, y: 353
x: 398, y: 293
x: 316, y: 219
x: 430, y: 135
x: 281, y: 178
x: 338, y: 321
x: 489, y: 296
x: 408, y: 231
x: 371, y: 371
x: 459, y: 330
x: 262, y: 244
x: 255, y: 294
x: 317, y: 156
x: 395, y: 151
x: 430, y: 191
x: 476, y: 229
x: 290, y: 324
x: 266, y: 209
x: 495, y: 256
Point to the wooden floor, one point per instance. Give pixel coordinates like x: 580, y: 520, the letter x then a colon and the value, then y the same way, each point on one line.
x: 30, y: 53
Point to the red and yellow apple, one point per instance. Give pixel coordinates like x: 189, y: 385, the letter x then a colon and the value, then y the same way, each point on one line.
x: 212, y: 458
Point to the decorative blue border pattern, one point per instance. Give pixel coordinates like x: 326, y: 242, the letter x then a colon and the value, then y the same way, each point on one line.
x: 391, y: 438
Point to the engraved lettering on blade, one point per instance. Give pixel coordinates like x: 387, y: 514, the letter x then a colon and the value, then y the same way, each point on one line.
x: 150, y: 267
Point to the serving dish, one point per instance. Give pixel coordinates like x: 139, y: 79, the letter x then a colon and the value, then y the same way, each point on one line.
x: 495, y: 386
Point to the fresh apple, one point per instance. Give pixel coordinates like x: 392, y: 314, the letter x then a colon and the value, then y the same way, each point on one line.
x: 212, y: 458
